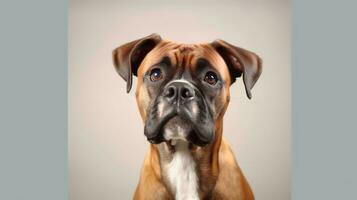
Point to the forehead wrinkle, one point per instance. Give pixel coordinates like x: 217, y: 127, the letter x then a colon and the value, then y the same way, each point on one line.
x: 191, y: 56
x: 182, y: 55
x: 177, y: 60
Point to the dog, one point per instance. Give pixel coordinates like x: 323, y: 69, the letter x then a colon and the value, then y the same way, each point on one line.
x: 182, y: 94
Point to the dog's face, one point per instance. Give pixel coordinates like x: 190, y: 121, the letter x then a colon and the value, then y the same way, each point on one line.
x: 183, y: 90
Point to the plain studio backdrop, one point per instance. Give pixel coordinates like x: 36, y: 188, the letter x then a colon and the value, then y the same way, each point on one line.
x: 106, y: 139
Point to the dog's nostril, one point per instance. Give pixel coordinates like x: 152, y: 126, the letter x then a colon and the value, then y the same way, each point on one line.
x: 170, y: 92
x: 186, y: 93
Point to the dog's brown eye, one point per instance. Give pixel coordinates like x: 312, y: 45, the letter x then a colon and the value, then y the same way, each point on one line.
x: 211, y: 78
x: 156, y: 74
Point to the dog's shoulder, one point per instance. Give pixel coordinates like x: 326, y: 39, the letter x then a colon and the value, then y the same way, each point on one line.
x: 150, y: 186
x: 231, y: 183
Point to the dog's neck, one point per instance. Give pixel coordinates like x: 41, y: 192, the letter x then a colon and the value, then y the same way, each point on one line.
x: 181, y: 173
x: 189, y: 173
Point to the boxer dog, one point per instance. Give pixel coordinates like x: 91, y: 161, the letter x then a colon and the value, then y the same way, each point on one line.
x: 182, y: 93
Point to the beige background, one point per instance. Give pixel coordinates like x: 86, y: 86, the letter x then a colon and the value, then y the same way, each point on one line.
x: 106, y: 141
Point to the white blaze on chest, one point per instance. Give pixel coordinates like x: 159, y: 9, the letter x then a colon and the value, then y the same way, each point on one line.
x: 181, y: 172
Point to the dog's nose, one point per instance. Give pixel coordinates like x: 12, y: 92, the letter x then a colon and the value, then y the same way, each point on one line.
x: 179, y: 92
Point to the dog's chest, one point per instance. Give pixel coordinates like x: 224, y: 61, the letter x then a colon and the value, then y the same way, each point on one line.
x: 181, y: 174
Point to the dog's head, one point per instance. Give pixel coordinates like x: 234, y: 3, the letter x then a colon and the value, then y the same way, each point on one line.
x: 183, y: 90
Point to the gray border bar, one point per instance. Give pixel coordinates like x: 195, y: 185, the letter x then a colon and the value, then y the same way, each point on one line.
x: 324, y: 100
x: 33, y: 108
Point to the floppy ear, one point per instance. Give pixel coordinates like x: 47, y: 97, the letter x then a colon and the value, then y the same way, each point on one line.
x: 240, y: 61
x: 127, y: 58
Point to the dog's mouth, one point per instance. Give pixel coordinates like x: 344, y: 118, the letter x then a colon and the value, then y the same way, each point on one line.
x: 179, y: 124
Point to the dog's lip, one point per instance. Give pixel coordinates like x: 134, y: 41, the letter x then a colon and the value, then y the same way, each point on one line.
x: 195, y: 139
x: 157, y: 128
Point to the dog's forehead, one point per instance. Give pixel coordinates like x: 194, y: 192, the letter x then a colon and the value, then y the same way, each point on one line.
x: 184, y: 55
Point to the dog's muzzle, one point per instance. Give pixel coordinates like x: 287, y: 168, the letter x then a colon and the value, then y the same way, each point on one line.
x: 180, y: 111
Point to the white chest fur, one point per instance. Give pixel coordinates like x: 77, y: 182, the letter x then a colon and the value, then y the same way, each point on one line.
x: 182, y: 173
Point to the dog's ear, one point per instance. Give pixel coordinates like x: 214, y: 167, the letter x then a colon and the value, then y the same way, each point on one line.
x: 128, y: 57
x: 240, y: 61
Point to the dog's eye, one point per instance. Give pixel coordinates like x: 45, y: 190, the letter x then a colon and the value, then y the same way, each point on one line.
x: 156, y: 74
x: 211, y: 78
